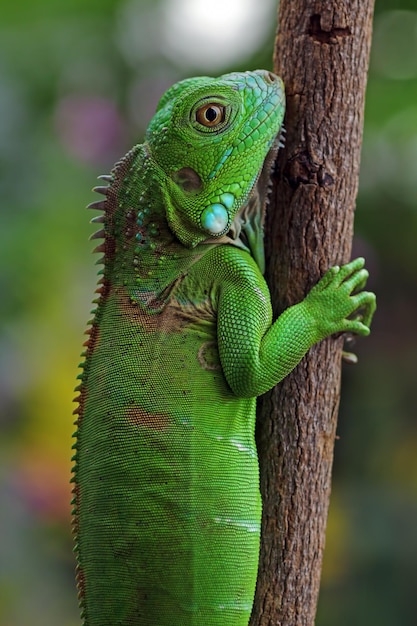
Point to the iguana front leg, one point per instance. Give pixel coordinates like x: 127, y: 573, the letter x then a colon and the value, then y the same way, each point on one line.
x: 256, y: 354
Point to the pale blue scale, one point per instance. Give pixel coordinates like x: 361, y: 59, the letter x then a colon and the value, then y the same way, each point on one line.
x: 215, y: 218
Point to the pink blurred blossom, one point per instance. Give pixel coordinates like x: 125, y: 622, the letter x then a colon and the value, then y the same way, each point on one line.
x: 90, y: 128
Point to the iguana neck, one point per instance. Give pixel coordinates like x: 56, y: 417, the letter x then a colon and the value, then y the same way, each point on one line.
x: 148, y: 259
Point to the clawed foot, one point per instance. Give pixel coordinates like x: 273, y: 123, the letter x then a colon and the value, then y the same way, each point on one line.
x: 338, y: 304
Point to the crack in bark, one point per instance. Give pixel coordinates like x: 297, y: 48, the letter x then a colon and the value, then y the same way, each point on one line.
x: 321, y: 35
x: 302, y: 170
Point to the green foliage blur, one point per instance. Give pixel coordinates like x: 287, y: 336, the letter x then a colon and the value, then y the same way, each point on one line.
x: 79, y: 81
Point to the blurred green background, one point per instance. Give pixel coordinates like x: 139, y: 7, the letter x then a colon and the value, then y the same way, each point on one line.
x: 79, y: 81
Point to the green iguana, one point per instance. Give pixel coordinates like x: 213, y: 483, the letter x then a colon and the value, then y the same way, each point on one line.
x: 166, y: 498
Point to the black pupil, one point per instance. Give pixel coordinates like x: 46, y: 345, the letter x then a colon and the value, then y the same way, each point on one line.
x: 211, y: 114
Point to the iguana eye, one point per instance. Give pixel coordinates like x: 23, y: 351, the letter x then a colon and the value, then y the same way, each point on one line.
x: 211, y: 114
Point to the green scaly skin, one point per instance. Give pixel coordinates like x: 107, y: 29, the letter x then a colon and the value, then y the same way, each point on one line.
x: 166, y: 496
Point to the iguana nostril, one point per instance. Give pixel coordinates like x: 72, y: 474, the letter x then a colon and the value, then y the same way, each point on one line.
x: 269, y: 77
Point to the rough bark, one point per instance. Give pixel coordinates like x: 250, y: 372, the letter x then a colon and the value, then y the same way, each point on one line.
x: 322, y: 52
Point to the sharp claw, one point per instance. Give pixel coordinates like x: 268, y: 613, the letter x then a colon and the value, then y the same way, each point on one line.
x: 349, y: 357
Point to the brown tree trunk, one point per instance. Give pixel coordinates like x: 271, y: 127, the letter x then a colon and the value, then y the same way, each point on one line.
x: 322, y: 52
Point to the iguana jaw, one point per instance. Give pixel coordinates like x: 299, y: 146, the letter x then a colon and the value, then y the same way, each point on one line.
x: 246, y: 230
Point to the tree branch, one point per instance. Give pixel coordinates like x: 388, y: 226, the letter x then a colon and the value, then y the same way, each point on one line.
x: 322, y: 52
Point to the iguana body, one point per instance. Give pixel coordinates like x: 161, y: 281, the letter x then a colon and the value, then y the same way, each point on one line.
x: 167, y: 504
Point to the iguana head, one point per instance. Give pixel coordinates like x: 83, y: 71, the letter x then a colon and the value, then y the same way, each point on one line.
x: 209, y: 139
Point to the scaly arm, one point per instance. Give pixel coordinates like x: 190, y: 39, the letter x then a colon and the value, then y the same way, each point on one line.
x: 256, y: 355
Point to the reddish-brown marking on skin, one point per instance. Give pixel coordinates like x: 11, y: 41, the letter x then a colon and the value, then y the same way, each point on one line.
x: 168, y: 319
x: 172, y: 318
x: 80, y: 578
x: 76, y: 505
x: 109, y: 248
x: 81, y: 400
x: 94, y: 336
x: 140, y: 417
x: 94, y: 333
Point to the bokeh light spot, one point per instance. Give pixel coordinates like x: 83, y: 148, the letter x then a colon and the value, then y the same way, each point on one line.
x: 215, y: 34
